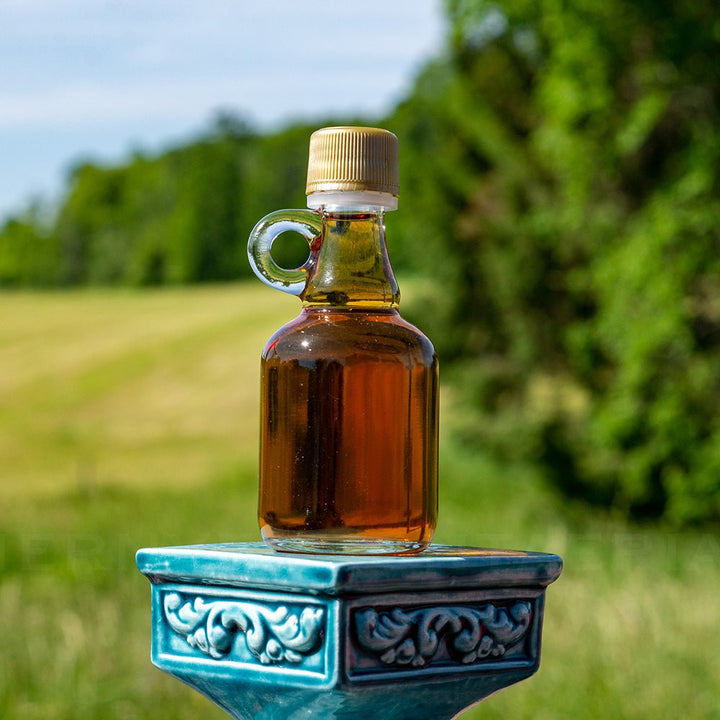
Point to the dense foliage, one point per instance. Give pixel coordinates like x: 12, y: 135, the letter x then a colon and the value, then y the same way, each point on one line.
x: 572, y: 161
x: 561, y: 189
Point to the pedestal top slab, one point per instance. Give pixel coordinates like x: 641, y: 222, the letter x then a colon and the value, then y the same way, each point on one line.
x: 254, y: 565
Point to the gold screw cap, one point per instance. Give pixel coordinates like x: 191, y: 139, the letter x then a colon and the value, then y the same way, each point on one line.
x: 353, y: 158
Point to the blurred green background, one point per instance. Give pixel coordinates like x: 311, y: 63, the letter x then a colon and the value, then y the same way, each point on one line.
x: 558, y: 239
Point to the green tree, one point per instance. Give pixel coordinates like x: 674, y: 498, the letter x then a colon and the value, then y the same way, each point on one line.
x: 573, y: 151
x: 28, y: 251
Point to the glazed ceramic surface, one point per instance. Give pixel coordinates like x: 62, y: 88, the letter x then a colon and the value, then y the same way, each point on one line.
x: 274, y: 636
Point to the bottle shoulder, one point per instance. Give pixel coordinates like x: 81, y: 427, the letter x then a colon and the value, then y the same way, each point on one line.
x: 342, y: 333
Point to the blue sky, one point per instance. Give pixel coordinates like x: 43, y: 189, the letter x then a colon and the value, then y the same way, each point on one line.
x: 98, y: 78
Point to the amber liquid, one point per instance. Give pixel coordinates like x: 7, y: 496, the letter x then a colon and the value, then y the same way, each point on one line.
x: 348, y: 459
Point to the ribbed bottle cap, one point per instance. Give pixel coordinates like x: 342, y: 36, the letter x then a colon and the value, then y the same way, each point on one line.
x: 353, y: 158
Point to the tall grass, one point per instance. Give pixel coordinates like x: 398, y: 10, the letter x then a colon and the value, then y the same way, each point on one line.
x: 129, y: 419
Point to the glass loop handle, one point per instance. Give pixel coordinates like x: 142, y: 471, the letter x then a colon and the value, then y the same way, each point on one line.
x: 264, y: 234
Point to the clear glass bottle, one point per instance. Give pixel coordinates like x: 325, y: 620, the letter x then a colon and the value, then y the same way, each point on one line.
x: 349, y: 414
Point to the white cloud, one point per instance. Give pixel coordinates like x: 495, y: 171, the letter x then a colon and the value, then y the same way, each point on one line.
x: 95, y: 68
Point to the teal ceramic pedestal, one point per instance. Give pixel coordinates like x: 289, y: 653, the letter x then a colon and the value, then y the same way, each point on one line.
x: 272, y: 636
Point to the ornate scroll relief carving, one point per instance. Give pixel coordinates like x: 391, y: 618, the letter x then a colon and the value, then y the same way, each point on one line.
x: 413, y: 637
x: 272, y: 636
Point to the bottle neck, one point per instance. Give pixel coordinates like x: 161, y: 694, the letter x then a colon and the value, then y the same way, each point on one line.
x: 349, y: 265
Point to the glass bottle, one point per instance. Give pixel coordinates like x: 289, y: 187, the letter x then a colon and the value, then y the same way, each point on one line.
x: 349, y: 414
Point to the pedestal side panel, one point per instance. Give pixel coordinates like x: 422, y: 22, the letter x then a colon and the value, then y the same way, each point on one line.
x: 241, y: 634
x: 433, y: 635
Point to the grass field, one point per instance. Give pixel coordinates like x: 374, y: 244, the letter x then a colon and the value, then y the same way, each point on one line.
x: 129, y: 419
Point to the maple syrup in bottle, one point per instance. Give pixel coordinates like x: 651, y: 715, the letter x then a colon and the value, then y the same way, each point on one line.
x: 349, y: 415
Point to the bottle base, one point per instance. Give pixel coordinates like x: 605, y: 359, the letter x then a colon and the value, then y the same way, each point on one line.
x: 322, y: 545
